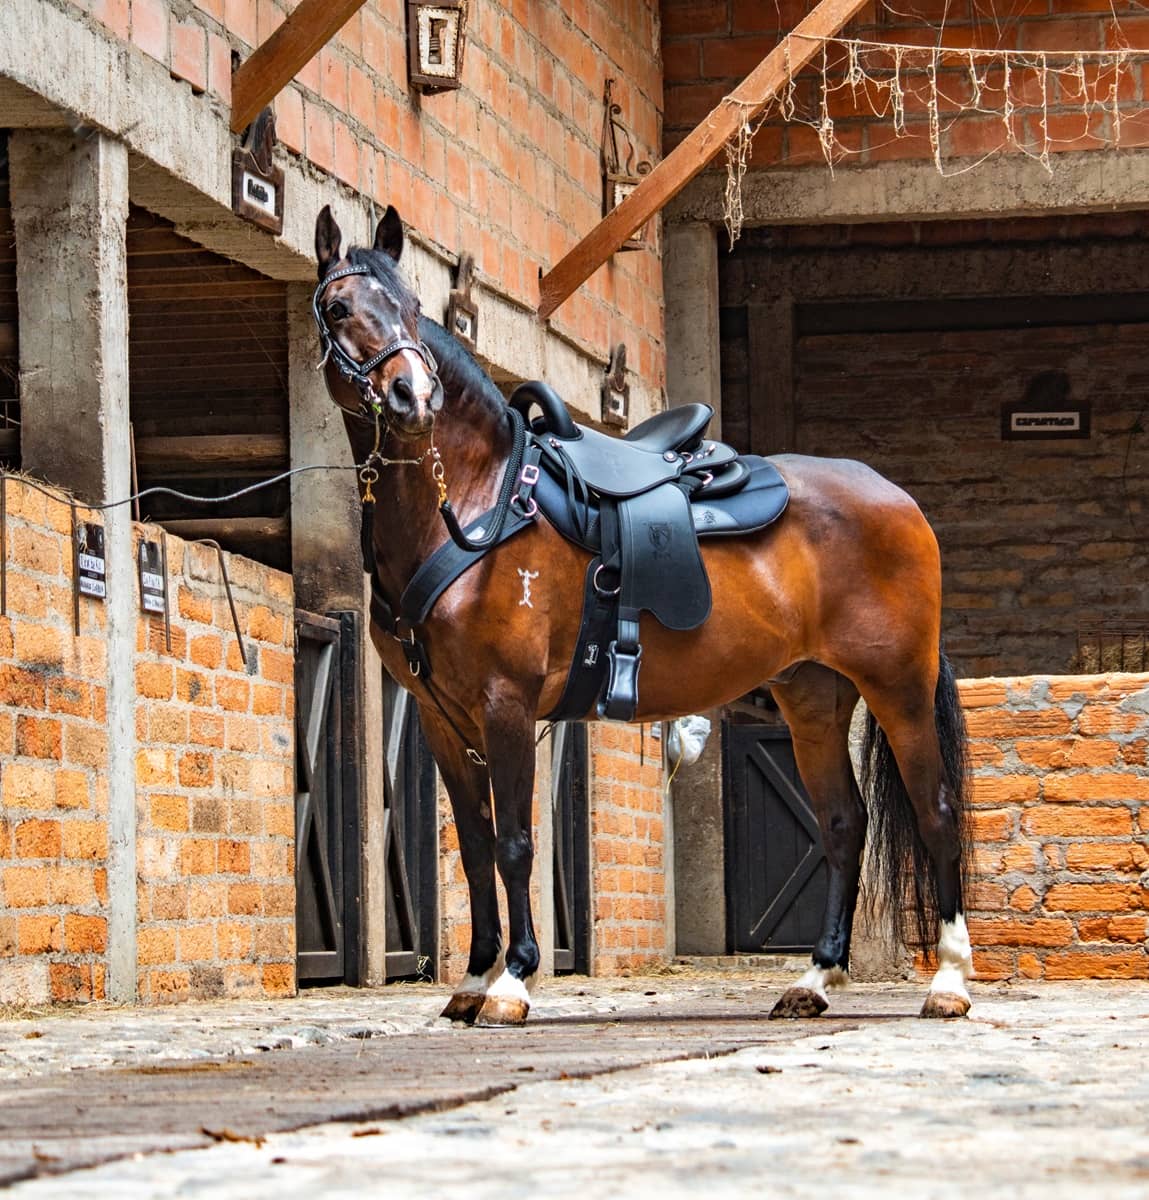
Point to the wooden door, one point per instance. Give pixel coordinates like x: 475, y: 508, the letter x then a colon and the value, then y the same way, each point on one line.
x: 776, y: 871
x: 326, y: 799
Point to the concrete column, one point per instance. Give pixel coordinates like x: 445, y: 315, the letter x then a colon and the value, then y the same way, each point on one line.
x: 690, y: 283
x: 70, y: 209
x: 697, y: 888
x: 327, y: 564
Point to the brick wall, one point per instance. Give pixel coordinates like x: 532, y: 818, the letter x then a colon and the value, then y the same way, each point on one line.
x: 1060, y: 886
x: 215, y: 784
x: 507, y: 167
x: 214, y: 767
x: 710, y: 45
x: 629, y: 851
x: 53, y: 764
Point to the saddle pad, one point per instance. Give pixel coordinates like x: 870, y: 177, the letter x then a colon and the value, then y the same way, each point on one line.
x: 760, y: 503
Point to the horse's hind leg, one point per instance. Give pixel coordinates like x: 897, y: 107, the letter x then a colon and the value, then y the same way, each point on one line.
x: 468, y: 788
x: 926, y: 735
x: 818, y: 704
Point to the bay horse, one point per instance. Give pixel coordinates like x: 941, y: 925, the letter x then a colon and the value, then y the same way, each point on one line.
x: 840, y: 598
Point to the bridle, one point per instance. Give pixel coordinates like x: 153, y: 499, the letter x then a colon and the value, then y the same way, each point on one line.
x: 371, y: 406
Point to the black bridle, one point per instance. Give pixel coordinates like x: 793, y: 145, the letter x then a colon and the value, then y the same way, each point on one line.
x: 356, y: 372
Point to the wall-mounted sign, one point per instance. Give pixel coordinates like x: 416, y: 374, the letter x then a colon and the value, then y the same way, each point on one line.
x: 621, y: 174
x: 91, y: 565
x: 616, y: 389
x: 437, y: 37
x: 1047, y: 410
x: 152, y: 590
x: 256, y: 183
x: 462, y: 311
x: 1022, y: 423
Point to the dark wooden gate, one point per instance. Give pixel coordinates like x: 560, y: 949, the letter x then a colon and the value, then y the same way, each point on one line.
x: 410, y: 838
x: 572, y: 849
x: 326, y: 799
x: 776, y: 872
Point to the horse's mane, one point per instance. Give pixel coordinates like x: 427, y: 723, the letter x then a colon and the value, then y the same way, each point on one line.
x: 458, y: 371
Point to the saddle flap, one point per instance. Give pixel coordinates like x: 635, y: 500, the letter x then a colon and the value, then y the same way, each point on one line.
x: 663, y: 572
x: 612, y: 466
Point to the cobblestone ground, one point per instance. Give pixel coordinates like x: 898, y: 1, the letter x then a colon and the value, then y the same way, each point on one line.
x: 1042, y: 1092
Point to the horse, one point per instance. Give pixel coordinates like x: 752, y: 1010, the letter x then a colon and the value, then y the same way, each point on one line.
x: 840, y: 598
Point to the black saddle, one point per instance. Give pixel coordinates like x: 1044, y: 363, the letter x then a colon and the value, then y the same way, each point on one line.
x: 639, y: 504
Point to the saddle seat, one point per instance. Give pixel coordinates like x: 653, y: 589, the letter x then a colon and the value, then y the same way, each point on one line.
x: 639, y: 504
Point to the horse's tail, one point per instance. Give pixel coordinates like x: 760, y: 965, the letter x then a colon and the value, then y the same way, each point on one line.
x: 899, y: 855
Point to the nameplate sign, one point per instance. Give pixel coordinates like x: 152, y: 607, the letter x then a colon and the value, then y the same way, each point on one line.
x: 91, y: 563
x: 151, y: 578
x: 1020, y: 424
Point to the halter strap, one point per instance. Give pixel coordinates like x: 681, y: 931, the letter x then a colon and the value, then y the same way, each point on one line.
x: 352, y: 370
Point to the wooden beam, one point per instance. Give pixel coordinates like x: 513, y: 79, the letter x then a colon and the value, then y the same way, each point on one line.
x: 691, y: 155
x: 227, y: 529
x: 213, y: 453
x: 310, y: 26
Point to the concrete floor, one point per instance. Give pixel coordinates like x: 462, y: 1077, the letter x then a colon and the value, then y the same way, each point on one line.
x: 668, y: 1085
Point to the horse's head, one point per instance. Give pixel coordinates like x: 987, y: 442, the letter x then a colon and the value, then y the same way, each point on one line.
x: 368, y: 321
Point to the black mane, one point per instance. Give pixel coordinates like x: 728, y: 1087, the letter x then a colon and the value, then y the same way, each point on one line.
x: 458, y: 371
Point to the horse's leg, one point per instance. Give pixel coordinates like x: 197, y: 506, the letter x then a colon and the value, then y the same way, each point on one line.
x: 469, y: 790
x: 510, y: 747
x: 926, y: 733
x: 818, y: 704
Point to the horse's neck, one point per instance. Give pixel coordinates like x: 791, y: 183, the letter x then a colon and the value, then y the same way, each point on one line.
x: 473, y: 447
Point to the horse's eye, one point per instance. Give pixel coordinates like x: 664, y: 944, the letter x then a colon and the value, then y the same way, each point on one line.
x: 337, y: 310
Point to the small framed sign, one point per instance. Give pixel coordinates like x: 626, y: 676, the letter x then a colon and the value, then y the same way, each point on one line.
x: 153, y: 593
x: 256, y: 183
x: 615, y: 393
x: 462, y: 311
x: 91, y: 564
x: 1019, y: 423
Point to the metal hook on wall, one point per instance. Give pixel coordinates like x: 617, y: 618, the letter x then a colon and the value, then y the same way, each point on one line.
x: 230, y: 600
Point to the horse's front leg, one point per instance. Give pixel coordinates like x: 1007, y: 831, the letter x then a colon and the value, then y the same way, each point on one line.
x: 469, y: 790
x: 510, y: 749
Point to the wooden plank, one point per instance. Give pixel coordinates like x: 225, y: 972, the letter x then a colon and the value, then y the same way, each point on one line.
x: 692, y: 154
x: 207, y: 453
x: 225, y: 529
x: 7, y: 339
x: 9, y: 442
x: 271, y: 68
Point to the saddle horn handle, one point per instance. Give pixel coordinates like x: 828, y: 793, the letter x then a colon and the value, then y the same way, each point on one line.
x: 556, y: 419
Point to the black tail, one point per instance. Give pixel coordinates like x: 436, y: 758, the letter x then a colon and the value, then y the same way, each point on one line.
x: 900, y: 857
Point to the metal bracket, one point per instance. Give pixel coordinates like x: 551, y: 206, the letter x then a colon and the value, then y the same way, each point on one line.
x: 462, y: 310
x: 230, y: 600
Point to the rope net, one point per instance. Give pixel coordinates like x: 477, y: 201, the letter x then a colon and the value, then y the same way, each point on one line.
x: 955, y: 100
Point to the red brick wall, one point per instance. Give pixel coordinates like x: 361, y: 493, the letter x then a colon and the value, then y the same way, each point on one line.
x: 1060, y: 888
x: 53, y: 765
x: 629, y: 852
x: 215, y: 784
x: 507, y: 167
x: 214, y: 775
x: 710, y: 45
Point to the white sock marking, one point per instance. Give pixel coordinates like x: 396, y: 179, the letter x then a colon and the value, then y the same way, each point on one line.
x: 955, y: 959
x: 818, y: 979
x: 480, y: 985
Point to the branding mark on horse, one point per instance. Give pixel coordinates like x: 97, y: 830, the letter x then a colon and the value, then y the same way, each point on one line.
x: 526, y: 577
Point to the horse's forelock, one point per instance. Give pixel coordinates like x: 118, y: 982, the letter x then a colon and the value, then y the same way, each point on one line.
x: 382, y: 269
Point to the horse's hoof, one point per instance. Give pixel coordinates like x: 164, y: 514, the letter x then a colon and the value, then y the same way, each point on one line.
x: 945, y: 1005
x: 464, y: 1007
x: 798, y: 1002
x: 503, y: 1010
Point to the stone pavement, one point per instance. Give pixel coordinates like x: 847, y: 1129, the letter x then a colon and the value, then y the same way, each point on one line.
x: 665, y: 1084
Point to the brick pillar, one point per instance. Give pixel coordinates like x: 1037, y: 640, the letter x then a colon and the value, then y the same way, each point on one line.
x: 327, y: 564
x: 69, y: 209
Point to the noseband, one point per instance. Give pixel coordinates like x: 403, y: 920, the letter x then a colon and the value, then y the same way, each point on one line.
x: 356, y: 372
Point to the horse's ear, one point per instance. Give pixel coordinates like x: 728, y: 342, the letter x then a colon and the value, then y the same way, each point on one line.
x: 389, y: 234
x: 328, y: 240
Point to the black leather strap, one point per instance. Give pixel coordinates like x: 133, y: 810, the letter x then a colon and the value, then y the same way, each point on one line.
x: 589, y: 662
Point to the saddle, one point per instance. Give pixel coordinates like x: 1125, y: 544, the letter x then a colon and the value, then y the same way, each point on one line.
x: 639, y: 504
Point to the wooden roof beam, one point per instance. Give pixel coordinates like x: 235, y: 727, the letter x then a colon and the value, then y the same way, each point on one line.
x: 307, y: 29
x: 691, y: 155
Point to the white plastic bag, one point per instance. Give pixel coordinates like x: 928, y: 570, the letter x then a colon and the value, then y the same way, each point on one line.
x: 687, y: 740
